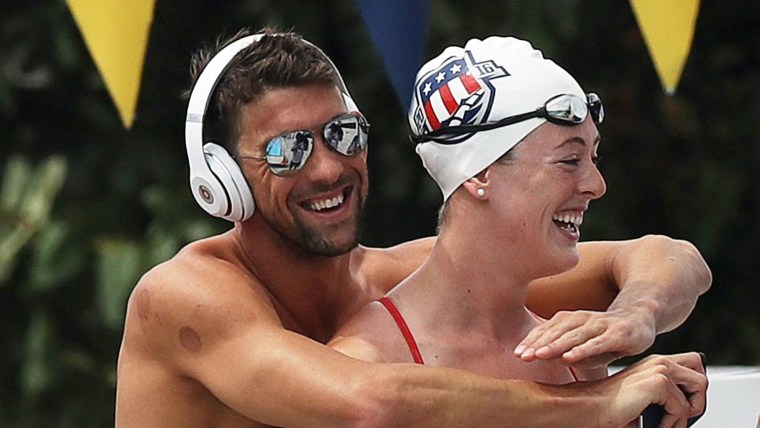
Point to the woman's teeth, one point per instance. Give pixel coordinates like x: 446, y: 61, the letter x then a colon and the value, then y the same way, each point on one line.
x: 569, y: 221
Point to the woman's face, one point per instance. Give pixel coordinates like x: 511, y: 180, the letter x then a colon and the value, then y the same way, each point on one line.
x: 542, y: 193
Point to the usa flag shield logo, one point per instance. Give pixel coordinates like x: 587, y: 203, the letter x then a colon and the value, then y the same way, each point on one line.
x: 456, y: 93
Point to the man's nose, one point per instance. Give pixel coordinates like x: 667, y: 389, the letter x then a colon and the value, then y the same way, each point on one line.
x: 324, y: 165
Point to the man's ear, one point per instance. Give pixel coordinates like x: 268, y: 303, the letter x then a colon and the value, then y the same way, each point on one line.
x: 478, y: 185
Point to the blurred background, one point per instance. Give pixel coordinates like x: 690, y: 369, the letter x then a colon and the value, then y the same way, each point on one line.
x: 87, y: 206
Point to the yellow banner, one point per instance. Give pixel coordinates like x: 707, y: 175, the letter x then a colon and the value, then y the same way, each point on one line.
x: 116, y: 34
x: 668, y: 30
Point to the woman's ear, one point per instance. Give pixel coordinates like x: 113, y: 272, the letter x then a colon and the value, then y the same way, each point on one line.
x: 478, y: 185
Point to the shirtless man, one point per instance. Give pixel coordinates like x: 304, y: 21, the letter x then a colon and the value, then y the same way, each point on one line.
x: 230, y: 332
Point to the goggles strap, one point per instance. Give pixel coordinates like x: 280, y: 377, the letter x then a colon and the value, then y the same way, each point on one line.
x: 593, y: 107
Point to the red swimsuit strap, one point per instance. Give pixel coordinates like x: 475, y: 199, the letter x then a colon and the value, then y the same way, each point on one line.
x: 573, y: 372
x: 404, y: 329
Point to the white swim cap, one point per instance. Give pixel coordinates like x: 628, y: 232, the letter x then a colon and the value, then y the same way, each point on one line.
x: 485, y: 81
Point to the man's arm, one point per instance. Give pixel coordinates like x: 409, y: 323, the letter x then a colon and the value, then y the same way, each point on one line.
x: 234, y: 345
x: 677, y: 383
x: 301, y: 383
x: 651, y: 284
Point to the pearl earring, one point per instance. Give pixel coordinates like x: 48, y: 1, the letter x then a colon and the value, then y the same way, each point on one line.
x: 480, y: 192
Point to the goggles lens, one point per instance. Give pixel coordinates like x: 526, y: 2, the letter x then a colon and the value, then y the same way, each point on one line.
x: 572, y: 110
x: 287, y: 153
x: 565, y: 109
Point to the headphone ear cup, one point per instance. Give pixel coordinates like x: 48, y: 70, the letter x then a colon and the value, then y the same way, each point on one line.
x: 240, y: 205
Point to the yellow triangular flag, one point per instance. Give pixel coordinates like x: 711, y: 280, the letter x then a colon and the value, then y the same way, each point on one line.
x: 116, y: 33
x: 668, y: 30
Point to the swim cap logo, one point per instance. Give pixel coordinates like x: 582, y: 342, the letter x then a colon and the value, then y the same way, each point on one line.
x: 456, y: 93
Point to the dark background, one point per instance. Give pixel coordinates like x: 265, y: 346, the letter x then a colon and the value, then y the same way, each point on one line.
x: 87, y: 206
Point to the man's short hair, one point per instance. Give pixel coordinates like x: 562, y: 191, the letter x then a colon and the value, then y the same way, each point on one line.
x: 277, y: 60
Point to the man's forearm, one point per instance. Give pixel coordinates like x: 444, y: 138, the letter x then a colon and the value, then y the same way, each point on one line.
x: 434, y: 397
x: 660, y: 277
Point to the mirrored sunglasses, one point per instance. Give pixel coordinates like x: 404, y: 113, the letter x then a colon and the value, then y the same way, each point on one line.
x: 287, y: 153
x: 565, y: 109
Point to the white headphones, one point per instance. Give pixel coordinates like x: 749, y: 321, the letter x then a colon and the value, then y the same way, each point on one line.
x: 217, y: 183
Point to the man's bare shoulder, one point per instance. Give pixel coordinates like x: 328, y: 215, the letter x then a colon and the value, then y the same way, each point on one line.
x: 202, y: 270
x: 386, y: 267
x: 181, y: 316
x: 200, y: 288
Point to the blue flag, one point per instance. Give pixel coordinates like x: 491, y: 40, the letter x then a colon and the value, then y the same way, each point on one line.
x: 398, y: 29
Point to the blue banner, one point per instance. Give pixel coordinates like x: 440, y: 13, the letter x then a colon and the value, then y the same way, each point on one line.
x: 398, y: 29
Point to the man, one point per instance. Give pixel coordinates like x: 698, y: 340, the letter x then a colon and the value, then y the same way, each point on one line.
x: 231, y: 331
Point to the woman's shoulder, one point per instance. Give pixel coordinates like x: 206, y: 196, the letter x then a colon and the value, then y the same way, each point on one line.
x: 386, y: 267
x: 411, y: 252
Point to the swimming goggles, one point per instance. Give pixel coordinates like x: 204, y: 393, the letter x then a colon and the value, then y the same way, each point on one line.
x: 565, y: 109
x: 287, y: 153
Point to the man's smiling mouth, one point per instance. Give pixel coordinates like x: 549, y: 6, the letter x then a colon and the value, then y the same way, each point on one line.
x: 324, y: 204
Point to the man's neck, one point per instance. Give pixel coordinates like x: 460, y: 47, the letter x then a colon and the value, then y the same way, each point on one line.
x: 313, y: 294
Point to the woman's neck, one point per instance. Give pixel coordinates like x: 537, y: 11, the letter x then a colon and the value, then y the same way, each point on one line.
x: 466, y: 287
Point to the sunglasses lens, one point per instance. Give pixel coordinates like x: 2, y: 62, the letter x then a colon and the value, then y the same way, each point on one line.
x: 288, y: 153
x: 347, y: 134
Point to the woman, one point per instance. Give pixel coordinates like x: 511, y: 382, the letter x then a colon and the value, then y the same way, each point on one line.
x: 511, y: 139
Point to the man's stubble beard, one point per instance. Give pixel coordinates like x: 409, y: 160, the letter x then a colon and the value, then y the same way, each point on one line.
x: 314, y: 243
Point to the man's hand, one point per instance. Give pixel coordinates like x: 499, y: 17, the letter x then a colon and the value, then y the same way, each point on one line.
x: 652, y: 284
x: 588, y: 339
x: 677, y: 383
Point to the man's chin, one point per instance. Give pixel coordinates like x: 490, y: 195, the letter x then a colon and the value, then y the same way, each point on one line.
x: 327, y: 244
x: 327, y: 248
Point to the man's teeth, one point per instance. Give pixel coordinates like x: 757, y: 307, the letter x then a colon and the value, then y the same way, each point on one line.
x: 573, y: 220
x: 326, y: 203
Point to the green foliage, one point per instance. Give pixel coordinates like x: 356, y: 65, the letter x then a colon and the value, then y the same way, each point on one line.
x: 25, y: 202
x: 86, y: 207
